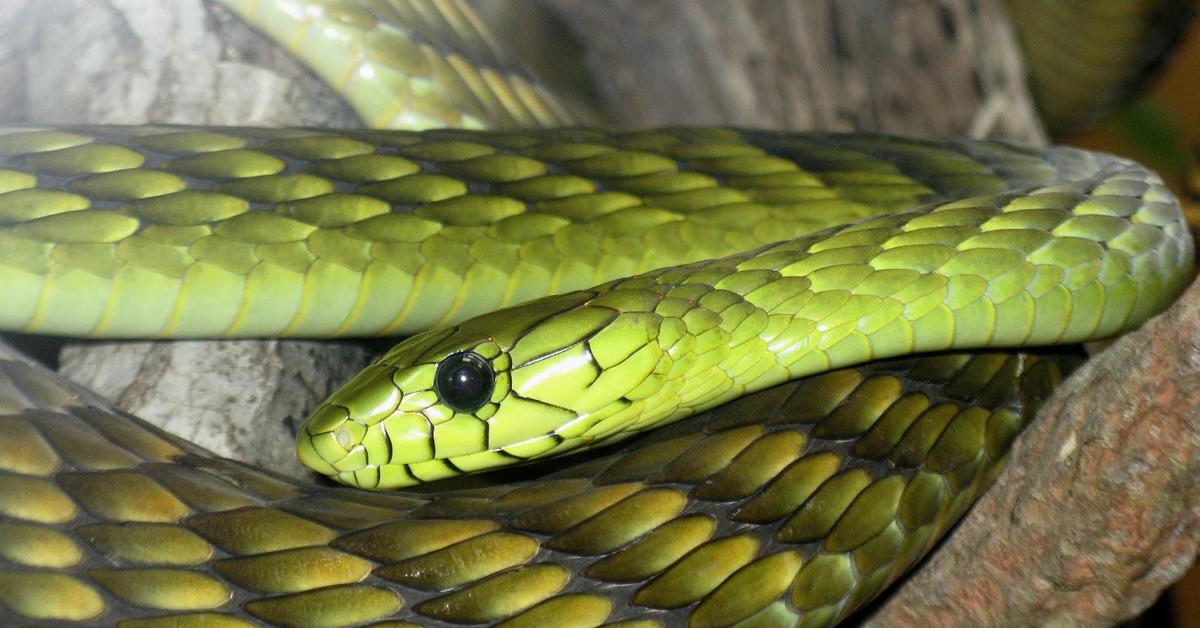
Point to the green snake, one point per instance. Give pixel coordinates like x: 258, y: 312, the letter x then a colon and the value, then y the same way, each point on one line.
x: 690, y: 267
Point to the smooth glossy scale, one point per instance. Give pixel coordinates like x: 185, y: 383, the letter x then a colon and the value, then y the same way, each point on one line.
x: 282, y: 553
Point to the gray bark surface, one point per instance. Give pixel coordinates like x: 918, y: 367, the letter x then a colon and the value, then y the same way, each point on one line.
x: 941, y: 68
x: 1099, y: 510
x: 186, y: 62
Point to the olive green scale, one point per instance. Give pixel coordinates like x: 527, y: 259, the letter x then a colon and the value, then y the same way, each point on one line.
x: 1088, y: 58
x: 407, y: 64
x: 792, y: 507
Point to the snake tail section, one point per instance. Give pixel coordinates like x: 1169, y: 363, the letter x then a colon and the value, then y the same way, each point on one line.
x: 791, y: 507
x: 1087, y: 58
x: 408, y: 64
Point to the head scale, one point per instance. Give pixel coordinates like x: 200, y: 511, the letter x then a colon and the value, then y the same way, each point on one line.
x: 500, y: 389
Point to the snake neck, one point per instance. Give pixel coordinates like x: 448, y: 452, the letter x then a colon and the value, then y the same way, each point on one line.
x: 1058, y: 264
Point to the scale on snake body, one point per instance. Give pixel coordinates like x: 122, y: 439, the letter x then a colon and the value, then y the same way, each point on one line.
x: 690, y: 266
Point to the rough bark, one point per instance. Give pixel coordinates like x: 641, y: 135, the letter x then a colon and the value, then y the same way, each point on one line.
x: 186, y: 61
x: 241, y: 398
x: 1099, y: 510
x: 135, y: 61
x: 932, y: 68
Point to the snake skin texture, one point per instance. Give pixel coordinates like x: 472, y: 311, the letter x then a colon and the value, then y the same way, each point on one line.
x: 1094, y: 249
x: 791, y: 507
x: 1085, y: 57
x: 196, y: 232
x: 408, y: 64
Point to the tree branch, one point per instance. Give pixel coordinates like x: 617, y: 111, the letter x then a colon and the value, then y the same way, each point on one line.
x: 932, y: 68
x: 1099, y: 510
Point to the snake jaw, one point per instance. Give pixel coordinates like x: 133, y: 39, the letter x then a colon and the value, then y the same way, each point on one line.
x: 547, y: 391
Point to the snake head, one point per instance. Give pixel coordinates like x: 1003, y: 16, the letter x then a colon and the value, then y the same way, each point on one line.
x: 506, y: 387
x: 428, y: 397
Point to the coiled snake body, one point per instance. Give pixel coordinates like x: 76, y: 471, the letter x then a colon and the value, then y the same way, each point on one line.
x: 792, y: 506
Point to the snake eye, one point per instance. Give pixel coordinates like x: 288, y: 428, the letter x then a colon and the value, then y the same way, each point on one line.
x: 464, y: 381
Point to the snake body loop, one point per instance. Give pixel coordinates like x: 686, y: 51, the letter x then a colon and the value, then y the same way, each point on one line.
x: 689, y: 266
x: 792, y: 506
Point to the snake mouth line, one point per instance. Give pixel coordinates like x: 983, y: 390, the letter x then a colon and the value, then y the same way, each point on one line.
x: 341, y: 454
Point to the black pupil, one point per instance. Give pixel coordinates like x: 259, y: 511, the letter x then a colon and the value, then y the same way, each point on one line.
x: 464, y: 381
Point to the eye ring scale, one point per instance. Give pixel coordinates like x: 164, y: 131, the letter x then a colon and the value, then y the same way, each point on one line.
x: 464, y: 381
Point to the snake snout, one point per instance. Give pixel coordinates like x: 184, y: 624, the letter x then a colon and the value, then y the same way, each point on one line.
x: 331, y: 441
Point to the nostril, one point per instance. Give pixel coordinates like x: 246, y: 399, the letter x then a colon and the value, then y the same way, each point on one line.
x: 349, y: 434
x: 344, y: 437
